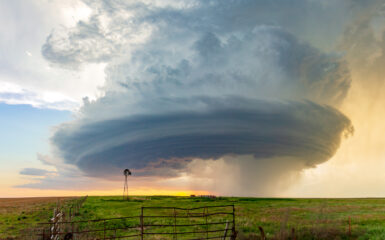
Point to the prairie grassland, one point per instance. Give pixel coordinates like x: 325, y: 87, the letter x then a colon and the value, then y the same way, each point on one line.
x: 18, y: 214
x: 311, y: 218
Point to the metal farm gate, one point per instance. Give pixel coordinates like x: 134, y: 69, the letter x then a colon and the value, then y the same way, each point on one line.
x: 207, y: 222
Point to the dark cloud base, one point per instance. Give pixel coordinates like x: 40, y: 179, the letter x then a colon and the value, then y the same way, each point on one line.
x: 302, y: 130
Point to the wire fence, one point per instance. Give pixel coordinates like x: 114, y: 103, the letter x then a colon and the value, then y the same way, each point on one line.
x: 207, y: 222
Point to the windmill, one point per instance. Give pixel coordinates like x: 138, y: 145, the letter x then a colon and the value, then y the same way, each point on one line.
x: 126, y: 173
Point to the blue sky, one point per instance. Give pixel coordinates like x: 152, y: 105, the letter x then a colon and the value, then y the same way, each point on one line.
x: 24, y: 125
x: 25, y: 131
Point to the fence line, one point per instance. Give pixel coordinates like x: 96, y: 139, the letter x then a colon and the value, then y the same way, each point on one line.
x: 55, y: 225
x: 178, y: 223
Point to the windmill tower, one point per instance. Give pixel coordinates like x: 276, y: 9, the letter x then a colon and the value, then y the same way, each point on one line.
x: 126, y: 173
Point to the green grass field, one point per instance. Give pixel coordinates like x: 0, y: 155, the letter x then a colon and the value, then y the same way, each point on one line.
x: 311, y: 218
x: 19, y: 214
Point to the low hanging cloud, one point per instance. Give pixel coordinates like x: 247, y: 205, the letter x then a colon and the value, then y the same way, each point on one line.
x: 35, y: 172
x: 198, y: 82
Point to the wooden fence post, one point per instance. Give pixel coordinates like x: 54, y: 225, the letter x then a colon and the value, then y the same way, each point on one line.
x: 293, y: 237
x: 263, y: 236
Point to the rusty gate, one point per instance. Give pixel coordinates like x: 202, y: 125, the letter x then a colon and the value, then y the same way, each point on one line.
x: 206, y: 222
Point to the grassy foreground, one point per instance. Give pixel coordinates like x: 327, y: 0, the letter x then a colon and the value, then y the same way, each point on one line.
x: 19, y: 214
x: 311, y: 218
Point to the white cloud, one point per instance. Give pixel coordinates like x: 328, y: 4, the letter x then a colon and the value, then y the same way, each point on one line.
x: 34, y: 81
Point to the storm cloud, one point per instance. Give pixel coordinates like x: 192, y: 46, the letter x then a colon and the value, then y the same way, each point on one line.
x: 200, y: 80
x: 305, y: 131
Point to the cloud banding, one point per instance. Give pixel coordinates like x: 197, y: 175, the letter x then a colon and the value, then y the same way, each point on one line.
x: 303, y: 131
